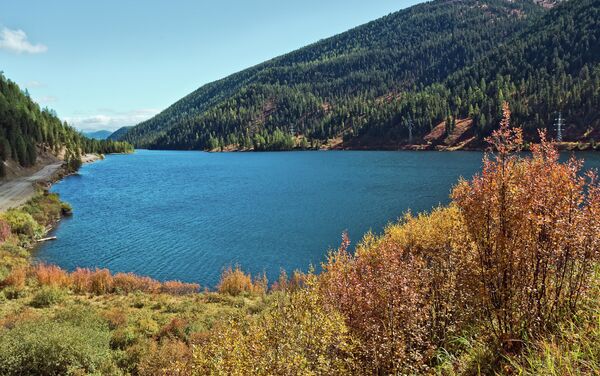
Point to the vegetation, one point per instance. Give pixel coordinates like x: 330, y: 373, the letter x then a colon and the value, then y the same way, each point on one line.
x: 26, y: 131
x: 435, y: 63
x: 505, y: 280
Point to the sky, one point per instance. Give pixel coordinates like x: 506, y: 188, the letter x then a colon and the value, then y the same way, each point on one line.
x: 110, y: 63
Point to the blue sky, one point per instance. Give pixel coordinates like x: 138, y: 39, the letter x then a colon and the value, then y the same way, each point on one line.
x: 105, y: 64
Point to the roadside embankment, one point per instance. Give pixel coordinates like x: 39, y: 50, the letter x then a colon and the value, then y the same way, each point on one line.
x: 17, y: 190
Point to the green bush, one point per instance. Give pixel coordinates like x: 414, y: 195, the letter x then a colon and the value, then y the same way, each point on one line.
x: 48, y: 296
x: 23, y: 223
x: 49, y: 348
x: 13, y: 249
x: 12, y: 292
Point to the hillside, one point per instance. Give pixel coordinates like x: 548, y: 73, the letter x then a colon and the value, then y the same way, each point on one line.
x: 98, y: 135
x: 341, y: 85
x: 30, y: 135
x: 118, y: 133
x: 551, y: 66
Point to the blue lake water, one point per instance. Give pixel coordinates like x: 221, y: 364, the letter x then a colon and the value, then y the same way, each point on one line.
x: 187, y: 215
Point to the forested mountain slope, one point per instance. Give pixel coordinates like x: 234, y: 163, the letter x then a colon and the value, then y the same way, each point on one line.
x: 26, y: 130
x: 551, y: 66
x: 435, y: 62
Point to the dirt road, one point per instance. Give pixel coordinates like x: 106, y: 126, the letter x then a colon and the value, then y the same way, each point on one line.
x: 17, y: 191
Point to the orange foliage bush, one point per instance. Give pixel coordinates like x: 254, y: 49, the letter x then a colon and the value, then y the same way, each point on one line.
x: 293, y: 283
x: 16, y: 278
x: 116, y: 318
x: 101, y: 282
x: 175, y: 329
x: 129, y: 282
x: 81, y: 279
x: 52, y: 275
x: 179, y: 288
x: 535, y: 227
x: 381, y: 292
x: 235, y: 281
x: 5, y: 230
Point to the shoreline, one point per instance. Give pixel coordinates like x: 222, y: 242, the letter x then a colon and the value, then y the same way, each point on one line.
x: 17, y: 191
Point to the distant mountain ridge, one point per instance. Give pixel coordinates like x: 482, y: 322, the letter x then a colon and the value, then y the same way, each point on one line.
x: 118, y: 133
x: 98, y: 135
x: 392, y: 81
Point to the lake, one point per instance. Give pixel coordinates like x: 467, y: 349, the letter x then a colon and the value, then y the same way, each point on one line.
x: 187, y: 215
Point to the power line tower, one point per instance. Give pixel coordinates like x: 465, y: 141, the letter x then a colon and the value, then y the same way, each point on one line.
x: 558, y: 124
x: 409, y: 125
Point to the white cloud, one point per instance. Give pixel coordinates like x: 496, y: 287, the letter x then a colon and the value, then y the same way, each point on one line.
x: 34, y: 84
x: 110, y: 120
x: 46, y: 99
x: 16, y: 41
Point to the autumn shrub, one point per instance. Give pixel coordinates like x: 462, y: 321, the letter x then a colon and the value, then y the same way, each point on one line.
x: 16, y: 279
x: 297, y: 335
x: 381, y: 291
x: 179, y: 288
x: 101, y: 282
x: 115, y: 317
x: 292, y: 283
x: 235, y: 282
x: 48, y: 296
x: 129, y: 282
x: 167, y: 358
x: 534, y: 224
x: 81, y: 280
x: 5, y: 230
x: 177, y: 328
x: 52, y: 275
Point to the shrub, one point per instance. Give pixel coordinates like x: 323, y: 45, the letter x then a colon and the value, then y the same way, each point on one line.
x: 101, y: 282
x: 297, y: 335
x: 534, y: 224
x: 176, y: 329
x: 235, y: 282
x: 116, y: 318
x: 16, y: 279
x: 123, y: 338
x: 44, y: 208
x: 97, y: 282
x: 293, y: 283
x: 381, y: 292
x: 5, y: 230
x: 179, y: 288
x: 171, y: 357
x: 47, y: 296
x: 52, y: 275
x: 47, y: 348
x: 82, y: 281
x: 22, y: 223
x: 129, y: 282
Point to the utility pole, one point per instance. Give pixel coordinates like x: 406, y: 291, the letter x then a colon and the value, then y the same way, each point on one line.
x: 559, y: 123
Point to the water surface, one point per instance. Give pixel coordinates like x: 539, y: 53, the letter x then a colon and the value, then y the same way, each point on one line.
x: 187, y: 215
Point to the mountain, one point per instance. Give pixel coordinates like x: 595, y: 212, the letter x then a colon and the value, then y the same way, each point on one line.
x: 28, y: 131
x: 97, y: 135
x: 118, y: 133
x: 434, y: 72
